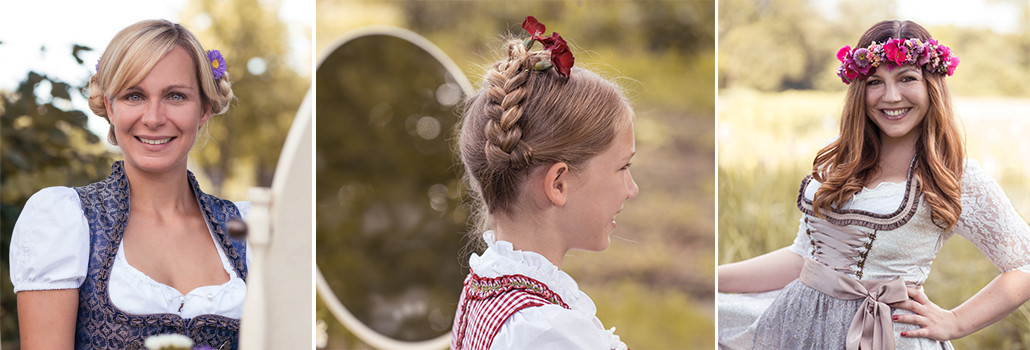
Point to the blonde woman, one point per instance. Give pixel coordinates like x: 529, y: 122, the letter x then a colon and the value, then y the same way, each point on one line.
x: 546, y: 149
x: 144, y: 251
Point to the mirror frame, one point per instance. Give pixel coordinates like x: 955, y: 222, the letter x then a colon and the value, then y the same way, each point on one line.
x: 325, y: 292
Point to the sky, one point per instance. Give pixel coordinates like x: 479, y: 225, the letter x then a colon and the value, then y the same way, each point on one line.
x: 27, y: 25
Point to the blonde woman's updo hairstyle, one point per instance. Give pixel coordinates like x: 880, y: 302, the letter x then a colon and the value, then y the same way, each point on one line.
x: 135, y: 50
x: 522, y: 118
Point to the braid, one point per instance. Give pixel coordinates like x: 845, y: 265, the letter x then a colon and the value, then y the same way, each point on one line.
x: 522, y: 118
x: 507, y: 153
x: 505, y: 92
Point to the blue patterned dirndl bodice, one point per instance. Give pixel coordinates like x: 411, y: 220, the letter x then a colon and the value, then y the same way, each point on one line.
x: 101, y: 325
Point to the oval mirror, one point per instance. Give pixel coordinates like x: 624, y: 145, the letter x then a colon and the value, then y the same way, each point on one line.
x: 388, y: 212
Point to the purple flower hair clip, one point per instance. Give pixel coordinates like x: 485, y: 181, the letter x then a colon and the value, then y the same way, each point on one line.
x: 217, y: 63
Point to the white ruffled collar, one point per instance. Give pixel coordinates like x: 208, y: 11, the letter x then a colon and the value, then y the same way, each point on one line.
x: 501, y: 258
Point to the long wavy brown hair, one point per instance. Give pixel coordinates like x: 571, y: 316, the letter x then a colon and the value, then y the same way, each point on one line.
x: 848, y: 163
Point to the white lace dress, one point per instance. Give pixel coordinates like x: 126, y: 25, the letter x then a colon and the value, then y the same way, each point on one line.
x: 891, y: 236
x: 548, y: 326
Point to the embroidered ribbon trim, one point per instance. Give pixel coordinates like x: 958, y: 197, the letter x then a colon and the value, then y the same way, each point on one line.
x: 480, y: 288
x: 872, y: 328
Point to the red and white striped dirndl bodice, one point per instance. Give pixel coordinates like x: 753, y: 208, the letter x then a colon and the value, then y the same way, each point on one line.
x: 486, y: 303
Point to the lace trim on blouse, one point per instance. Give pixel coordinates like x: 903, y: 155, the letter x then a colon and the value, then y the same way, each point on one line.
x: 881, y: 222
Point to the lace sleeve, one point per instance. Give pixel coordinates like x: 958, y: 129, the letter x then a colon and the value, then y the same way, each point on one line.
x: 991, y: 223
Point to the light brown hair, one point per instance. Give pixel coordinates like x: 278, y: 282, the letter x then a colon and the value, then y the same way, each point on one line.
x: 135, y: 50
x: 522, y: 118
x: 847, y: 164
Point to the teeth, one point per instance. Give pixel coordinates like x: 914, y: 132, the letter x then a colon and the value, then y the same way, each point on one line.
x: 895, y: 112
x: 155, y: 142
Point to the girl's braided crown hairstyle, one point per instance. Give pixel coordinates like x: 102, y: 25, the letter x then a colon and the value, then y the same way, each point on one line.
x: 523, y: 118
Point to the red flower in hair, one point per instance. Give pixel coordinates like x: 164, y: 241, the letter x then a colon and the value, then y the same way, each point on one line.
x: 896, y: 51
x: 533, y: 27
x: 561, y: 57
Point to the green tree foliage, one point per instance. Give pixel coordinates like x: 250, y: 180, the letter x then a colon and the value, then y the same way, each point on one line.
x: 245, y: 142
x: 43, y: 142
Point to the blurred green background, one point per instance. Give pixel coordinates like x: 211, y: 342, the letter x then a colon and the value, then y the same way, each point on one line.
x: 47, y: 141
x: 780, y: 102
x: 655, y: 282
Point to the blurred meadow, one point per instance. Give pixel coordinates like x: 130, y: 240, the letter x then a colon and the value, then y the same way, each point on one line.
x: 51, y: 138
x: 655, y: 282
x: 780, y: 102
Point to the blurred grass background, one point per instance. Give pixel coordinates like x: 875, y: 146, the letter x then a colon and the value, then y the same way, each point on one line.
x: 655, y: 282
x: 780, y: 102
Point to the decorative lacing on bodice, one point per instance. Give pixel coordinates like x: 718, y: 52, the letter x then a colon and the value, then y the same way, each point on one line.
x: 842, y: 248
x: 908, y: 239
x: 842, y: 238
x: 882, y: 222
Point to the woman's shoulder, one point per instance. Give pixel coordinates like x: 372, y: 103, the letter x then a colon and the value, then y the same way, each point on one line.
x: 57, y: 199
x: 536, y: 326
x: 50, y: 241
x: 974, y: 175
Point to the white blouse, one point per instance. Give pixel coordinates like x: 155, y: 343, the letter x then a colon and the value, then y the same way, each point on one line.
x: 548, y: 326
x: 50, y: 250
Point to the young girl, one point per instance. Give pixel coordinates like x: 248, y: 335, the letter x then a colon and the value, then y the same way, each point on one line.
x: 879, y: 204
x: 144, y: 251
x: 546, y: 149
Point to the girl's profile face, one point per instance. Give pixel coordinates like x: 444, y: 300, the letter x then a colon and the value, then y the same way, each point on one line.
x: 597, y: 194
x: 897, y: 101
x: 157, y: 120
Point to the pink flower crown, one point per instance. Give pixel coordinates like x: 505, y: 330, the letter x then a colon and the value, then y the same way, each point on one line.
x: 862, y: 62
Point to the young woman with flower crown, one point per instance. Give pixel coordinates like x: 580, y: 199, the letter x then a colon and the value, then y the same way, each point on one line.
x: 880, y: 202
x: 546, y: 149
x: 144, y: 251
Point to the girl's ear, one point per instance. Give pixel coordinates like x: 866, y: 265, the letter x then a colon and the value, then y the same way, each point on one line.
x: 556, y: 184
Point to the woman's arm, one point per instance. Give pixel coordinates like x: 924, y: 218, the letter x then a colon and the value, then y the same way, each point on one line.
x: 1003, y: 295
x: 46, y: 318
x: 763, y: 273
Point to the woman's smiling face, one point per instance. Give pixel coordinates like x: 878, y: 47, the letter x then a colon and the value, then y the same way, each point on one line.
x: 156, y: 121
x: 897, y: 101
